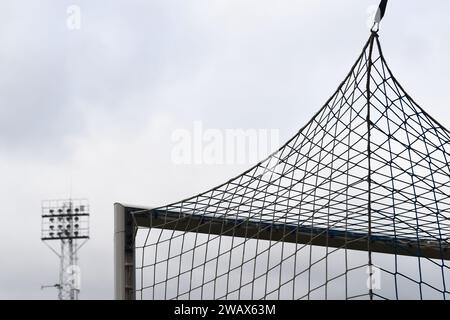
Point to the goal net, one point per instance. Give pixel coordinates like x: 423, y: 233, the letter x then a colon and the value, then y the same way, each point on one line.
x: 355, y: 206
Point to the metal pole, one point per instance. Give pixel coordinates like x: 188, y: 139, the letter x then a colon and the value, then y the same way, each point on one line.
x: 61, y: 272
x: 71, y: 270
x: 73, y: 295
x: 369, y: 157
x: 124, y: 255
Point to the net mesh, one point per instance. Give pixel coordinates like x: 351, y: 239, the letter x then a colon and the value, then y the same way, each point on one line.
x: 355, y: 206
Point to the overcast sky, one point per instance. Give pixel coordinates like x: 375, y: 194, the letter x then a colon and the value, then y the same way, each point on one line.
x: 89, y: 112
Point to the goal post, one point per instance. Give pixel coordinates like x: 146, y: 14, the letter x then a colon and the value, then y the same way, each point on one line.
x: 124, y: 253
x: 129, y: 218
x: 360, y: 193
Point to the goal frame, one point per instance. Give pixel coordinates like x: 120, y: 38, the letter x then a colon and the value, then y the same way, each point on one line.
x: 128, y: 218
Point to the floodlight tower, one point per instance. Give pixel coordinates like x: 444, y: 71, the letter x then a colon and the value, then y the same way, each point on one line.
x: 66, y: 222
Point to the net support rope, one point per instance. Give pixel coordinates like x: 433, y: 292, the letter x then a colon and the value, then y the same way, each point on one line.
x: 355, y: 206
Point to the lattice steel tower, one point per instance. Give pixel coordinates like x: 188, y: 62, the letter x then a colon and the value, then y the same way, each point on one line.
x: 66, y: 222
